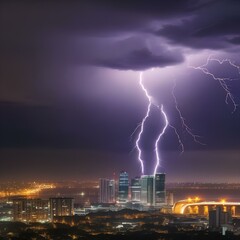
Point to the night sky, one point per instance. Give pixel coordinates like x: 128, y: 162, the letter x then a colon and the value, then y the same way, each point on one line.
x: 70, y: 96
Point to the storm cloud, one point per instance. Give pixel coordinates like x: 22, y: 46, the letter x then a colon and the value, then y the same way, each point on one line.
x: 214, y: 27
x: 69, y: 73
x: 31, y: 27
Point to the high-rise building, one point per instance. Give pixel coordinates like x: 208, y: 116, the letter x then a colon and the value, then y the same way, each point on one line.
x: 61, y: 207
x: 159, y: 189
x: 153, y: 192
x: 147, y: 190
x: 123, y: 187
x: 30, y: 210
x: 219, y: 217
x: 106, y: 190
x: 136, y: 189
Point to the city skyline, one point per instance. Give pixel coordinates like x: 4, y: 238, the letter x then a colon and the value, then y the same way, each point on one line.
x: 70, y: 97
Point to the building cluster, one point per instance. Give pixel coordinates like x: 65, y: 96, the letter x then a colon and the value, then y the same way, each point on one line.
x: 121, y: 199
x: 41, y: 210
x: 147, y: 190
x: 142, y: 192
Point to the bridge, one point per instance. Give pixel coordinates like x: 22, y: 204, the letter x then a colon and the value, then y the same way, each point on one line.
x: 199, y: 207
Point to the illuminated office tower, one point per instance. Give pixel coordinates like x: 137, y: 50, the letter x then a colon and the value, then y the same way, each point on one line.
x: 159, y: 189
x: 153, y: 192
x: 106, y: 190
x: 30, y: 210
x: 61, y: 207
x: 136, y: 190
x: 147, y: 190
x: 123, y: 187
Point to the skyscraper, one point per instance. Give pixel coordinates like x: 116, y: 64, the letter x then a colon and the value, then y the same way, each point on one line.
x: 123, y: 187
x: 106, y: 190
x: 153, y: 191
x: 159, y: 189
x: 136, y: 189
x: 147, y: 190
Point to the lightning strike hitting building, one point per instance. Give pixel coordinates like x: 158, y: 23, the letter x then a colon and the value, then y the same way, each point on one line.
x: 167, y: 122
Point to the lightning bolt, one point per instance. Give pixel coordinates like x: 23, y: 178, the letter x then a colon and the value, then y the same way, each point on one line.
x: 178, y: 137
x: 229, y: 97
x: 222, y: 81
x: 159, y: 138
x: 167, y: 123
x: 143, y: 122
x: 184, y: 124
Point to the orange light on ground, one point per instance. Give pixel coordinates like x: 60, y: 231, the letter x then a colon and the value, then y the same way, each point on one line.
x: 33, y: 190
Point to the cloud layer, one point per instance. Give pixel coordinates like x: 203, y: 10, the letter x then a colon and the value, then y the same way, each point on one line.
x: 209, y: 24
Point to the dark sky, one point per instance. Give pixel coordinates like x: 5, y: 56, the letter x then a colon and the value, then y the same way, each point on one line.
x: 70, y: 96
